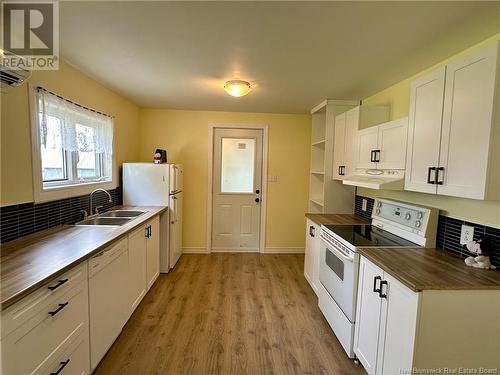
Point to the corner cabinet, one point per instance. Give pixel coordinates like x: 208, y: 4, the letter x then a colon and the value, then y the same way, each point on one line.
x: 398, y: 329
x: 311, y: 257
x: 454, y: 128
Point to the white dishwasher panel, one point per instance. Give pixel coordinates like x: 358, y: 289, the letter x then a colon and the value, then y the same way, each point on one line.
x: 107, y: 298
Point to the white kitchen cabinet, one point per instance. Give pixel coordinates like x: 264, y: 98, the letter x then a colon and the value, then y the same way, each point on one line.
x: 398, y: 329
x: 367, y: 145
x: 311, y: 258
x: 468, y: 161
x: 153, y: 252
x: 424, y: 130
x: 39, y: 329
x: 368, y: 317
x: 137, y: 283
x: 346, y: 133
x: 386, y: 321
x: 383, y: 146
x: 339, y: 146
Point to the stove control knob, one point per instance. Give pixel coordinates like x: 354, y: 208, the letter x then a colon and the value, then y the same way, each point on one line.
x: 408, y: 216
x: 418, y: 223
x: 419, y: 215
x: 377, y: 211
x: 379, y: 204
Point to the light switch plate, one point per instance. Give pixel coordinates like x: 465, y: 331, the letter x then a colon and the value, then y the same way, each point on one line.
x: 364, y: 204
x: 272, y: 178
x: 467, y: 234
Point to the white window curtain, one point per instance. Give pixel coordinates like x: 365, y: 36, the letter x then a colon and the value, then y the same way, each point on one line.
x: 70, y: 115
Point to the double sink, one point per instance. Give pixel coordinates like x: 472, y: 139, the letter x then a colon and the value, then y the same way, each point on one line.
x: 112, y: 218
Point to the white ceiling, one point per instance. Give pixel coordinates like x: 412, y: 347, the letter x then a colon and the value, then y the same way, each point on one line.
x: 178, y: 54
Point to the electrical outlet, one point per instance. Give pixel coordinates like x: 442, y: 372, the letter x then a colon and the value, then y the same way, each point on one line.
x: 364, y: 205
x: 467, y: 234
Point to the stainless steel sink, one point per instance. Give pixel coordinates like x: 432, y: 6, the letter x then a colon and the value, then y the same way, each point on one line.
x: 108, y: 221
x: 122, y: 213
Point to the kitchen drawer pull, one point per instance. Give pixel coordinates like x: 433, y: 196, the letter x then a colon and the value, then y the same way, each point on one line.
x: 429, y: 179
x: 61, y: 306
x: 62, y: 365
x: 437, y: 175
x: 311, y: 231
x: 59, y: 283
x: 375, y: 279
x: 380, y: 293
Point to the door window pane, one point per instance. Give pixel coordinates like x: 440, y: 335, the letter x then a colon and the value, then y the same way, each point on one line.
x: 52, y: 153
x: 237, y: 165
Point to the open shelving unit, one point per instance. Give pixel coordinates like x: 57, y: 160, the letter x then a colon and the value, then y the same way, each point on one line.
x: 325, y: 194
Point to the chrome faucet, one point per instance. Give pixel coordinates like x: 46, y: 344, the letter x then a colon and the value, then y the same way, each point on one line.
x: 97, y: 208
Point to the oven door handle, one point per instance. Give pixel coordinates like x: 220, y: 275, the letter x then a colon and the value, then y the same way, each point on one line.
x: 340, y: 253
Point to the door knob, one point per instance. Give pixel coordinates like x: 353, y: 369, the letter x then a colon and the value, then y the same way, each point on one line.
x: 257, y: 200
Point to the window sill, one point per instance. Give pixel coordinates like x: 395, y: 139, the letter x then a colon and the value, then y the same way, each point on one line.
x: 50, y: 193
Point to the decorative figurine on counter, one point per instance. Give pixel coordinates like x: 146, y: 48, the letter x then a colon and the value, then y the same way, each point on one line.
x: 160, y: 156
x: 482, y: 260
x: 157, y: 158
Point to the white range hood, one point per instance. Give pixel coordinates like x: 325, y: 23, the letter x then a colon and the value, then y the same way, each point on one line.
x: 377, y: 179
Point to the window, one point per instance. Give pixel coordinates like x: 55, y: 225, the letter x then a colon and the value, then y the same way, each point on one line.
x: 237, y: 169
x: 75, y: 146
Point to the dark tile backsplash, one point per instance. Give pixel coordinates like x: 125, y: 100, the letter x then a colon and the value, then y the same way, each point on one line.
x: 448, y: 232
x: 23, y: 219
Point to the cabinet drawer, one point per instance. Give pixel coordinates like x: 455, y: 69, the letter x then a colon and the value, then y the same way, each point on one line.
x: 31, y: 343
x: 73, y: 359
x: 42, y: 299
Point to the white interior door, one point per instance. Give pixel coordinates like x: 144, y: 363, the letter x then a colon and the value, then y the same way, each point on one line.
x: 237, y: 188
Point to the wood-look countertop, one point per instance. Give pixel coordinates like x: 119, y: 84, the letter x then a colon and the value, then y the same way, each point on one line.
x: 29, y: 262
x: 431, y: 269
x: 337, y: 219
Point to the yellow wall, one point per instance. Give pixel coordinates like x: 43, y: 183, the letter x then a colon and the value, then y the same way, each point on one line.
x: 398, y: 97
x: 16, y: 171
x: 185, y: 135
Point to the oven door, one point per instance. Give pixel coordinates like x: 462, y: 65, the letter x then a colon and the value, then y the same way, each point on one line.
x: 338, y: 272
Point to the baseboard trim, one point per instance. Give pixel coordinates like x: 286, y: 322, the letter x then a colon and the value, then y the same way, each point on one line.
x: 235, y: 250
x: 267, y: 250
x: 283, y: 250
x: 194, y: 250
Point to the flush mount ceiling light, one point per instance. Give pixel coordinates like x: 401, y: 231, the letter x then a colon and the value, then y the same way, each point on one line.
x: 237, y: 88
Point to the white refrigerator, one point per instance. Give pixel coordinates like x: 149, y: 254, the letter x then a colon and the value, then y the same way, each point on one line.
x: 149, y: 184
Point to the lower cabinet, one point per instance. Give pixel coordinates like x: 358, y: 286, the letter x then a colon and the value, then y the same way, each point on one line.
x: 399, y: 330
x: 48, y: 329
x: 311, y: 258
x: 144, y: 260
x: 386, y: 321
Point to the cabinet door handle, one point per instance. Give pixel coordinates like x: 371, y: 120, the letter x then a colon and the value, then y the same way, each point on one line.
x: 59, y: 283
x: 375, y: 289
x: 380, y: 293
x: 146, y: 232
x: 62, y: 365
x: 340, y: 172
x: 377, y: 156
x: 61, y: 306
x: 439, y: 182
x: 429, y: 179
x: 150, y: 230
x: 372, y: 156
x: 343, y: 170
x: 311, y: 231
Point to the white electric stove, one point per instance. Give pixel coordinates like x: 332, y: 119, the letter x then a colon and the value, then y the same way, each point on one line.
x: 394, y: 224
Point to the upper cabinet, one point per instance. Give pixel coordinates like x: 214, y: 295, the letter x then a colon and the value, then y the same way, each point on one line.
x: 347, y: 137
x: 454, y: 132
x: 383, y: 146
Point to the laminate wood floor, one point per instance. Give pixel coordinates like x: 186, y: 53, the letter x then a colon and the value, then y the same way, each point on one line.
x: 229, y: 313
